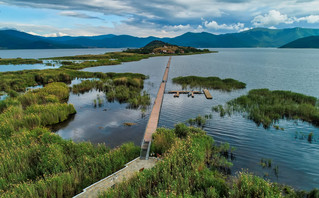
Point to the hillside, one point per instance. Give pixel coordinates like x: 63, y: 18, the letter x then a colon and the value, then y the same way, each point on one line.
x: 307, y: 42
x: 258, y: 37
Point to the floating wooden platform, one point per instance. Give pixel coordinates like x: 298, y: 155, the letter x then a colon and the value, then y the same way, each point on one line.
x: 190, y: 93
x: 207, y: 94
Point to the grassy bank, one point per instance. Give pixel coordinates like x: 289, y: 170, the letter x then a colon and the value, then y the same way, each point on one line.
x: 194, y: 166
x: 267, y: 107
x: 34, y: 162
x: 18, y: 61
x: 209, y: 83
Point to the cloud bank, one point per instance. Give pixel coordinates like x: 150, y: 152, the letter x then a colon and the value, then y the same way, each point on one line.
x: 161, y: 17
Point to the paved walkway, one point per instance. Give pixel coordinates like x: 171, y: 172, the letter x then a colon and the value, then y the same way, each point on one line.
x: 154, y: 117
x: 130, y: 170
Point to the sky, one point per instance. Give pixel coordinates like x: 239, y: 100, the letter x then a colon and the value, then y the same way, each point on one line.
x: 160, y: 18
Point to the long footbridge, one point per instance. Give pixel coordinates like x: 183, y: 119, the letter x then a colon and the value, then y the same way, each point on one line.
x: 154, y: 117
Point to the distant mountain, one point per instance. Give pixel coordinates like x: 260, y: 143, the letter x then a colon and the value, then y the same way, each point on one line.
x: 307, y: 42
x: 12, y: 39
x: 258, y: 37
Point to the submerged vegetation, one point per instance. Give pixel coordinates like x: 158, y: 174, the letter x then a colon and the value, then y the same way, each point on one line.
x: 267, y: 107
x: 227, y: 84
x: 200, y: 121
x: 34, y: 162
x: 18, y: 61
x: 193, y: 165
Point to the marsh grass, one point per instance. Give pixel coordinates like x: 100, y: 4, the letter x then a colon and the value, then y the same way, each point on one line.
x: 124, y: 88
x: 209, y: 83
x: 34, y: 162
x: 199, y: 121
x: 266, y: 107
x: 18, y: 61
x: 20, y: 80
x: 191, y: 166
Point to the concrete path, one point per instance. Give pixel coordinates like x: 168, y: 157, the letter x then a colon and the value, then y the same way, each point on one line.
x: 130, y: 170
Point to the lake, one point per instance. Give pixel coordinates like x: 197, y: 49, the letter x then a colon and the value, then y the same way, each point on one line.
x: 283, y: 69
x: 48, y: 53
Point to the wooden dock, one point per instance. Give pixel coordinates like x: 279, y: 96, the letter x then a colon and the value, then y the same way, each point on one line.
x: 154, y: 117
x: 190, y: 93
x: 207, y: 94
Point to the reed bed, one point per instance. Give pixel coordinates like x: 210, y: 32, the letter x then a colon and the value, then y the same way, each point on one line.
x: 34, y: 162
x: 267, y: 107
x: 18, y: 61
x: 192, y: 165
x: 227, y: 84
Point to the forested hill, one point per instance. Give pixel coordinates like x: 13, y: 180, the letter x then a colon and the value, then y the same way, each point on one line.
x: 308, y: 42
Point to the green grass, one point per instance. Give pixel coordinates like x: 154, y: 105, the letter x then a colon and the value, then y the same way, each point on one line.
x: 209, y: 83
x: 193, y: 165
x: 34, y: 162
x: 18, y: 61
x: 267, y: 107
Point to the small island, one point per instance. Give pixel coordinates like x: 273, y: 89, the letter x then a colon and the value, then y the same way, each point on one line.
x: 159, y: 47
x: 212, y: 82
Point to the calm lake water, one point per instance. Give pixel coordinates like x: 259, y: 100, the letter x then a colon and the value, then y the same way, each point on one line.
x: 295, y: 70
x: 47, y: 53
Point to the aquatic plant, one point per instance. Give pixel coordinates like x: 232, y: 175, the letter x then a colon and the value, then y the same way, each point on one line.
x: 267, y: 107
x: 209, y: 83
x: 200, y: 121
x: 310, y: 137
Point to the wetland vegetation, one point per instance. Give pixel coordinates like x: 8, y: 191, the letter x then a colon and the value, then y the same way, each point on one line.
x: 267, y: 107
x: 193, y: 165
x: 125, y: 89
x: 212, y: 82
x: 21, y: 80
x: 18, y: 61
x: 34, y: 162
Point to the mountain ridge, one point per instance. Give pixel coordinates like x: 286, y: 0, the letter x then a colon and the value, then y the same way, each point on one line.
x: 306, y: 42
x: 258, y: 37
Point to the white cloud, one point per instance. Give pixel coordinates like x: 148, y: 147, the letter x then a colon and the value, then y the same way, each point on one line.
x: 178, y: 27
x: 216, y: 26
x: 58, y: 34
x: 272, y: 18
x: 309, y: 19
x: 245, y: 29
